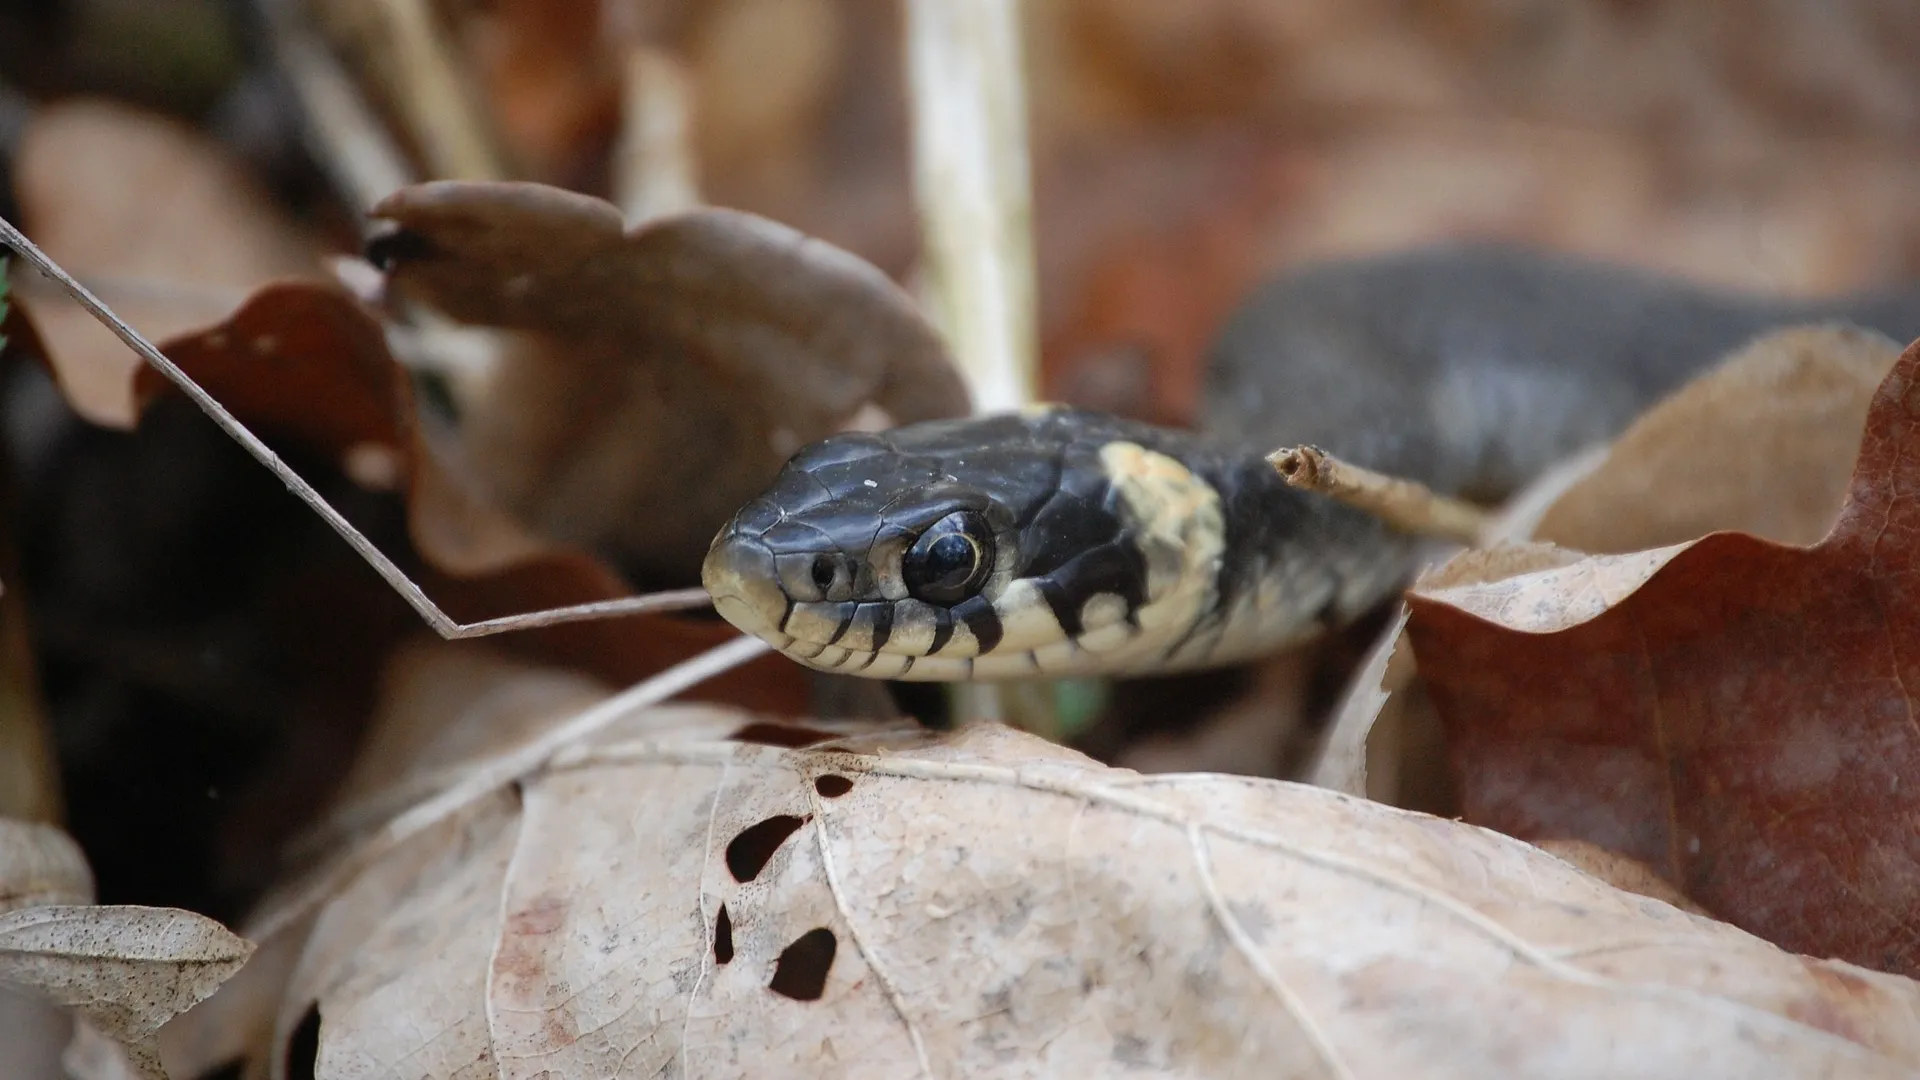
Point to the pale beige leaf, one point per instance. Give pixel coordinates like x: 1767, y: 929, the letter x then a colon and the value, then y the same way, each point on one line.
x: 1543, y: 601
x: 438, y: 902
x: 39, y: 865
x: 127, y: 970
x: 1341, y: 764
x: 1764, y: 443
x: 982, y: 903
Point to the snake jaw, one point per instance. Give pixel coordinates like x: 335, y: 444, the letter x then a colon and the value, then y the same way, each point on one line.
x: 739, y: 573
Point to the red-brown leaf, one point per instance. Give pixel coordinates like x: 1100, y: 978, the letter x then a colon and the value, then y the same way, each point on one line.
x: 1744, y: 720
x: 304, y: 362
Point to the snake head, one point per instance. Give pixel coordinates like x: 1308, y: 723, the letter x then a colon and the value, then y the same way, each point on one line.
x: 1008, y: 546
x: 865, y: 554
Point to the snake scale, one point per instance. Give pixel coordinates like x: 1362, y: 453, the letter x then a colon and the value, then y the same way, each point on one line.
x: 1065, y: 542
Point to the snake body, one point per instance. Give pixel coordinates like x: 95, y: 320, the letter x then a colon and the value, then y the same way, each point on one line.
x: 1061, y: 541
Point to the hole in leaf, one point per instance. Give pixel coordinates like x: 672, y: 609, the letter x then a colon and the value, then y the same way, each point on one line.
x: 791, y: 736
x: 723, y: 937
x: 303, y: 1046
x: 801, y: 971
x: 832, y: 785
x: 747, y: 853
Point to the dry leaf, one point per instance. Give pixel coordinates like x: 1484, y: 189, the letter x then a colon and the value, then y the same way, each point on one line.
x: 1620, y: 872
x: 892, y: 902
x: 1764, y: 443
x: 1384, y: 742
x: 1344, y: 758
x: 159, y: 219
x: 1733, y: 712
x: 677, y: 365
x: 128, y: 970
x: 41, y: 865
x: 551, y: 81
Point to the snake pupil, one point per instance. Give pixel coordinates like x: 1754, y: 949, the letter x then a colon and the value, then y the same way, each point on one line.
x: 948, y: 563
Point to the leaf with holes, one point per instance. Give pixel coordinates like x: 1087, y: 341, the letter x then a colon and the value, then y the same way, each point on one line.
x: 1734, y: 712
x: 699, y: 892
x: 675, y: 365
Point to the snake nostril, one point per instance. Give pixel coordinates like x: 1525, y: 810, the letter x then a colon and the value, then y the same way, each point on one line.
x: 823, y: 571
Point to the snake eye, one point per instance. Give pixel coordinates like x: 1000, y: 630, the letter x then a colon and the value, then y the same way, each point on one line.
x: 949, y: 562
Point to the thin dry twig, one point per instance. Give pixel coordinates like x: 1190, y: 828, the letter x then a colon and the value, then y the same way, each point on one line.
x: 442, y: 623
x: 655, y: 171
x: 971, y: 180
x: 1405, y: 504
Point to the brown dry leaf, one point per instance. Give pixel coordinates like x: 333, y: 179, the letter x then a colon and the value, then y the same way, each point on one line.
x: 551, y: 80
x: 306, y: 362
x: 677, y: 365
x: 158, y: 219
x: 127, y: 970
x: 1764, y: 444
x: 1733, y: 712
x: 294, y: 346
x: 1384, y: 742
x: 893, y: 902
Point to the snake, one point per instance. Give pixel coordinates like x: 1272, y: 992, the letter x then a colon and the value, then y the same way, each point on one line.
x: 1058, y: 541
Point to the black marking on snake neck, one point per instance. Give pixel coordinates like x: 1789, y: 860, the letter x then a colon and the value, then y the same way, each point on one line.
x: 977, y: 612
x: 1065, y: 611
